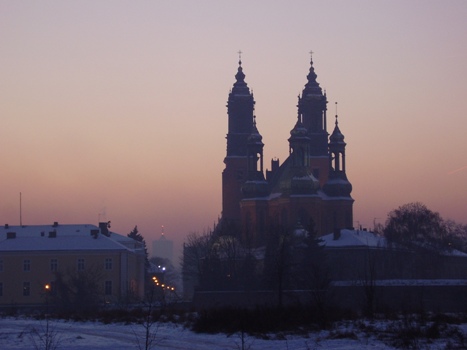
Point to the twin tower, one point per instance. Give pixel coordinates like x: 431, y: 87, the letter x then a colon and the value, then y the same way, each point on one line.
x: 308, y: 190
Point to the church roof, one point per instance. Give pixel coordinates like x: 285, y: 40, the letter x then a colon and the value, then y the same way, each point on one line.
x: 240, y: 87
x: 312, y: 87
x: 336, y: 137
x: 286, y: 177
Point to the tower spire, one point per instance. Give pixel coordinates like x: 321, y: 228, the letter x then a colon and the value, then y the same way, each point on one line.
x: 240, y: 111
x: 336, y: 115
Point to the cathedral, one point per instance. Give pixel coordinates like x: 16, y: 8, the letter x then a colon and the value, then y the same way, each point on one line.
x: 309, y: 189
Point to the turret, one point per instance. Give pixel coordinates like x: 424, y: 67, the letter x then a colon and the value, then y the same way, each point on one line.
x: 337, y: 184
x: 256, y: 185
x: 312, y: 106
x: 302, y: 182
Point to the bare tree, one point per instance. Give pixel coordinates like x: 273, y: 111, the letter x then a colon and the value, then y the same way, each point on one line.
x: 196, y: 248
x: 414, y: 225
x: 45, y: 337
x: 149, y: 322
x: 78, y: 292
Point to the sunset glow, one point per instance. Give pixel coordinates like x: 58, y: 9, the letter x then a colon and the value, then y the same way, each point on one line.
x: 116, y: 110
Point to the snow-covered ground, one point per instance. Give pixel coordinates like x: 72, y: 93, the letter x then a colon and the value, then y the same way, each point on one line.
x: 19, y: 334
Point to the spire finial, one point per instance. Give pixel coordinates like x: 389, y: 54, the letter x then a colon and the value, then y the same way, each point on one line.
x: 311, y: 55
x: 239, y: 57
x: 336, y: 113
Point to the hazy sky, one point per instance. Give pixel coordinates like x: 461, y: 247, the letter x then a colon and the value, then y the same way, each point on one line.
x: 116, y: 110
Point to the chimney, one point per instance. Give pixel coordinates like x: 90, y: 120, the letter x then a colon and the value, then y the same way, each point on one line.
x: 7, y: 226
x: 55, y: 224
x: 104, y: 226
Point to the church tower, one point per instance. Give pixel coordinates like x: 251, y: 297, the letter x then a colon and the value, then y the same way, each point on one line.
x: 312, y: 106
x: 240, y: 110
x: 337, y: 187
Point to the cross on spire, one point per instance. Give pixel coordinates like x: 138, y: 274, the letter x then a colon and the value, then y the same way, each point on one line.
x: 240, y: 57
x: 311, y: 54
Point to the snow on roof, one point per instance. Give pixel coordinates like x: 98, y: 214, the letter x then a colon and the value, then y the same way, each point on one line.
x: 354, y: 238
x: 61, y: 238
x: 359, y: 238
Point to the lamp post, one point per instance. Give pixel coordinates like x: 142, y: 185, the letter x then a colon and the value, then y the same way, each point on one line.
x: 47, y: 333
x: 47, y: 290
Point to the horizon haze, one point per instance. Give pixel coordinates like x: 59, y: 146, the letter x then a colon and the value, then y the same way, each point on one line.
x: 116, y: 111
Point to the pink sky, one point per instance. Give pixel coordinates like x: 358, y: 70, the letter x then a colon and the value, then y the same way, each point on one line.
x: 116, y: 109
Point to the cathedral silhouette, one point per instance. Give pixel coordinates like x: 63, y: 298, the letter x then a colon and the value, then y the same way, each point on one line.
x: 308, y: 190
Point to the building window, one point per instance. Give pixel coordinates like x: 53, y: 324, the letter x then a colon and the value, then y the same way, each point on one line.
x: 53, y: 265
x: 1, y: 265
x: 26, y: 289
x: 108, y: 263
x: 108, y: 288
x: 1, y: 289
x: 80, y: 266
x: 26, y: 265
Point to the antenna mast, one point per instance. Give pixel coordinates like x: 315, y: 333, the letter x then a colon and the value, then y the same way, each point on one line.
x: 20, y: 211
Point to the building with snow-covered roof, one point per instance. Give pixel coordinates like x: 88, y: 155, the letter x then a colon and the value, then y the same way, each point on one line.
x: 34, y: 256
x: 356, y: 255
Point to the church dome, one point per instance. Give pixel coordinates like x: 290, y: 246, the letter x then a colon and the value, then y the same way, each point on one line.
x: 337, y: 185
x: 299, y: 130
x: 336, y: 136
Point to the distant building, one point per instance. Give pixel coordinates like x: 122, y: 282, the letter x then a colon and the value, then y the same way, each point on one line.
x: 32, y: 256
x: 163, y: 247
x: 309, y: 188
